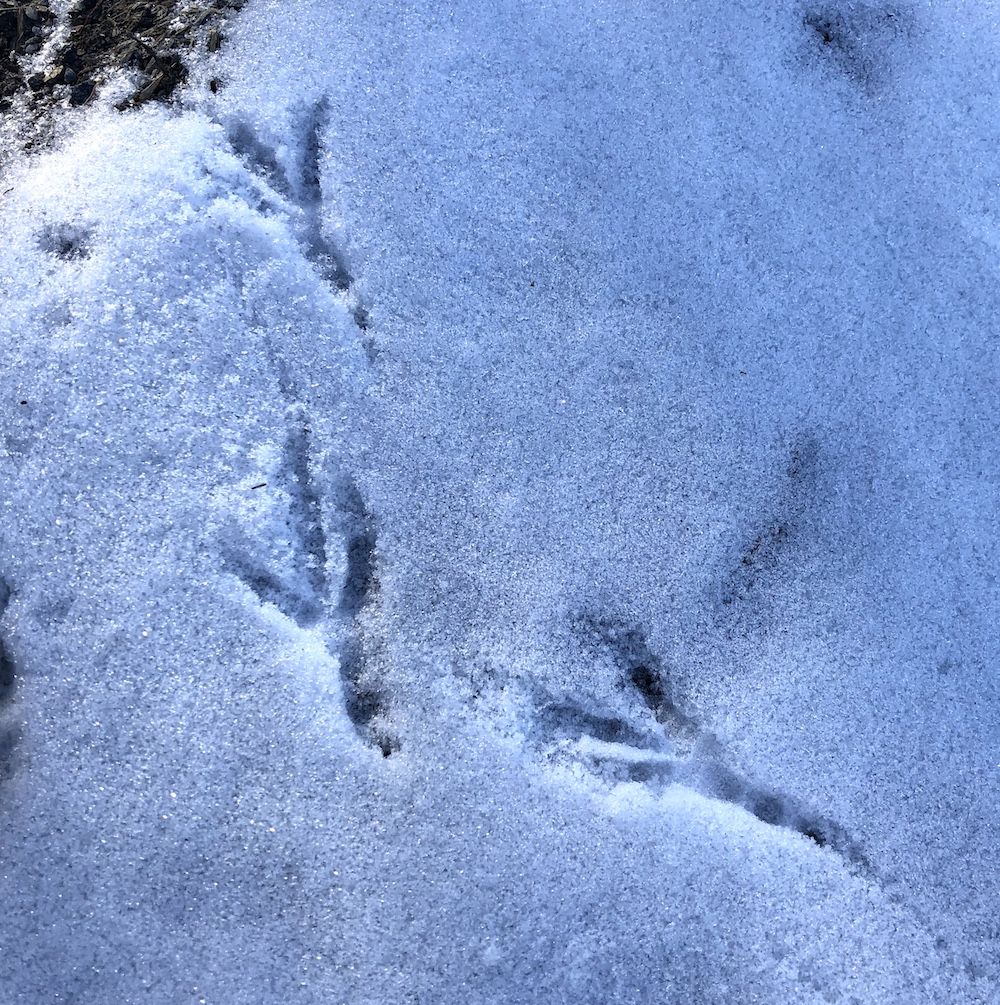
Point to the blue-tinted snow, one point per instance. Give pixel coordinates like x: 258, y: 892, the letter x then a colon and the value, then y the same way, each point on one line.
x: 500, y: 505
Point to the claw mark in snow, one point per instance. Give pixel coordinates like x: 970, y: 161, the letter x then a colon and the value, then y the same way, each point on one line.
x: 306, y: 507
x: 9, y: 731
x: 301, y: 592
x: 261, y: 159
x: 302, y: 185
x: 365, y: 697
x: 327, y: 258
x: 7, y: 672
x: 763, y: 554
x: 330, y: 261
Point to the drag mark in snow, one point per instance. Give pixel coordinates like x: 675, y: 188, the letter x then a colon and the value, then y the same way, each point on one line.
x: 360, y: 582
x: 569, y: 720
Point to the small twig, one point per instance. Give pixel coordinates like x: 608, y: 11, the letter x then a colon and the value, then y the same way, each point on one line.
x: 148, y: 48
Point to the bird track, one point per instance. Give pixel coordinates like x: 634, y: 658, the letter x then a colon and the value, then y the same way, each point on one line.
x: 319, y: 505
x: 659, y: 743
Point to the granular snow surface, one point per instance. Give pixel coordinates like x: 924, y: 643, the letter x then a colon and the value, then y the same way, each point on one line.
x: 500, y: 505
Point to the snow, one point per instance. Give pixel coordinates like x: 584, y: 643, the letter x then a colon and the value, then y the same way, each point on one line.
x: 500, y: 505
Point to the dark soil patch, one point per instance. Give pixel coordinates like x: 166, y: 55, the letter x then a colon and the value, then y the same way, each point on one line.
x: 22, y: 29
x: 103, y: 36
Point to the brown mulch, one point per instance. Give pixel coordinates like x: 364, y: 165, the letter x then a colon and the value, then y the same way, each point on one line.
x: 105, y: 35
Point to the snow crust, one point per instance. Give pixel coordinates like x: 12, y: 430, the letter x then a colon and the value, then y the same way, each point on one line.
x: 500, y: 505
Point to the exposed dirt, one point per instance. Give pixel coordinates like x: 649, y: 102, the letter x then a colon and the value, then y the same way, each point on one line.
x: 22, y: 27
x: 102, y: 36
